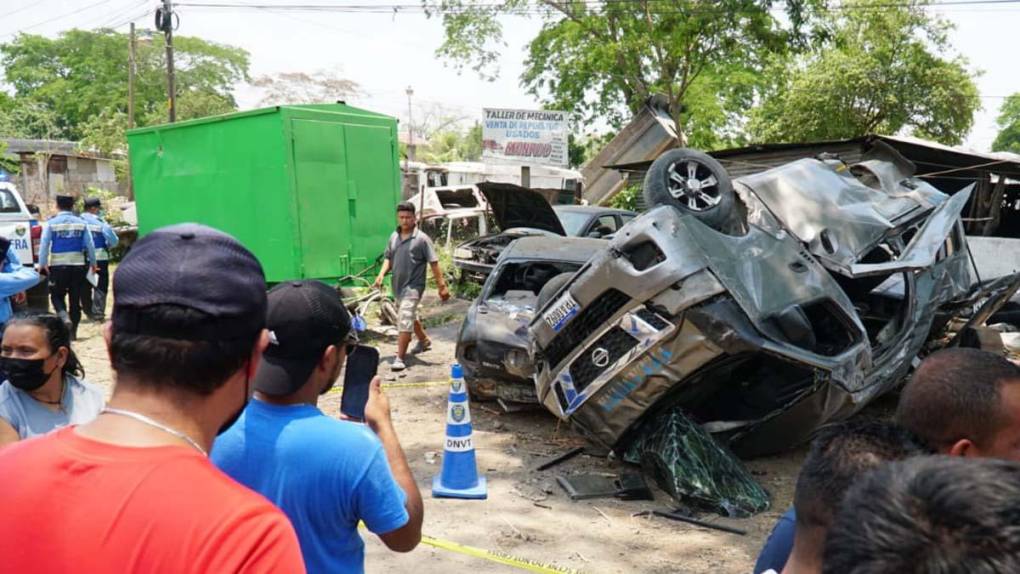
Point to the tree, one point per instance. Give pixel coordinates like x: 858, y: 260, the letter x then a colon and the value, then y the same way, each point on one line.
x: 883, y: 69
x: 84, y: 73
x: 1009, y: 126
x: 603, y: 60
x: 453, y: 144
x: 322, y: 86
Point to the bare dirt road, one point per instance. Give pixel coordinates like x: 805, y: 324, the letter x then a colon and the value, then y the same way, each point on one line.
x: 527, y: 517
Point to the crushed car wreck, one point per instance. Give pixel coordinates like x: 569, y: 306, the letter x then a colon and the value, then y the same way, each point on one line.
x: 758, y: 308
x: 493, y: 342
x: 522, y: 212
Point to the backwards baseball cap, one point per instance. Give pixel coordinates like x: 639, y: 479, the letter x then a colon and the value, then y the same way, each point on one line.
x: 304, y: 318
x: 193, y: 266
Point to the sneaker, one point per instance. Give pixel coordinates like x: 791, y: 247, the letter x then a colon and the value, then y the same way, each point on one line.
x: 397, y: 364
x: 421, y: 346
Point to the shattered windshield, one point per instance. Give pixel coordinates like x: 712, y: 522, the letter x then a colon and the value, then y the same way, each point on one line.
x: 572, y: 221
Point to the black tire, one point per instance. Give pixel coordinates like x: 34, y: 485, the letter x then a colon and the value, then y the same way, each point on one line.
x: 388, y: 312
x: 708, y: 195
x: 551, y: 287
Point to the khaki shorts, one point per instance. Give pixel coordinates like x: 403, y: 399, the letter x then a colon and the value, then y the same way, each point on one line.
x: 407, y: 310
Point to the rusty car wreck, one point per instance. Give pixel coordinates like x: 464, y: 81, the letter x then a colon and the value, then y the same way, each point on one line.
x: 758, y: 308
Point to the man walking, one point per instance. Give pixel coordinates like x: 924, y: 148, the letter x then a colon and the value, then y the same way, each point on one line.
x: 133, y: 490
x: 407, y: 253
x: 66, y: 252
x: 325, y: 474
x: 103, y: 238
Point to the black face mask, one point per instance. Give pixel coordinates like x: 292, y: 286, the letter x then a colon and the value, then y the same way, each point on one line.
x: 25, y: 374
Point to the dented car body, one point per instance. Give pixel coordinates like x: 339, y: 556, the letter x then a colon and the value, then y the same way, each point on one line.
x: 492, y: 346
x: 814, y: 298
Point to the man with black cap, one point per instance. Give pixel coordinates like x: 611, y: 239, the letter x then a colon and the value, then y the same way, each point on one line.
x: 66, y: 252
x: 325, y: 474
x: 133, y: 490
x: 104, y: 238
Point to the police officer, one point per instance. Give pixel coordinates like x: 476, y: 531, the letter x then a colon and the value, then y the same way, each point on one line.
x: 103, y: 237
x: 65, y: 254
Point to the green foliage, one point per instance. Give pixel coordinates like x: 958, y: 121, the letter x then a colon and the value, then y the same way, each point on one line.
x: 27, y: 118
x: 628, y: 197
x: 453, y: 144
x: 879, y: 71
x: 603, y: 60
x: 1008, y: 138
x: 82, y: 74
x: 7, y: 164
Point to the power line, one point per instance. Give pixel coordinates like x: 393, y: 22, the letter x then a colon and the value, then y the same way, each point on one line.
x: 55, y: 18
x: 23, y: 8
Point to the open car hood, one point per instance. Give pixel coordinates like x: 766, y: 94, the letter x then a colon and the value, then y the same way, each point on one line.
x: 516, y: 206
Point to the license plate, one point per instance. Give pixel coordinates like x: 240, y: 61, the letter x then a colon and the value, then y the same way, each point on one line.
x: 561, y: 312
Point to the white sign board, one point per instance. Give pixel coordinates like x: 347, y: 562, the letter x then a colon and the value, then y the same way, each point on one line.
x: 525, y: 136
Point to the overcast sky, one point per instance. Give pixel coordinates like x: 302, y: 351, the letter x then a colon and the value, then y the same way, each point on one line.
x: 386, y: 53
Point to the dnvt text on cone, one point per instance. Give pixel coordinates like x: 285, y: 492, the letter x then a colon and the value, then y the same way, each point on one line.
x: 459, y: 477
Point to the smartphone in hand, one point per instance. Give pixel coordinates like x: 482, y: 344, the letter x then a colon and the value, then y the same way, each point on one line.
x: 361, y: 367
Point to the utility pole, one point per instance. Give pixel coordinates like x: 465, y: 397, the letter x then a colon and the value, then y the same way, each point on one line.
x: 165, y: 23
x: 131, y: 105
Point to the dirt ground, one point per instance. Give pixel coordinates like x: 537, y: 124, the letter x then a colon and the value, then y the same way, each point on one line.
x: 527, y: 515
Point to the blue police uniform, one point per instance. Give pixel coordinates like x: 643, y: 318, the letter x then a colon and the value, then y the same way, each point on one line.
x: 67, y: 249
x: 103, y: 238
x: 14, y: 278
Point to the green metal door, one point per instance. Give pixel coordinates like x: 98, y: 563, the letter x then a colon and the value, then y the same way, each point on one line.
x: 321, y: 189
x: 373, y: 190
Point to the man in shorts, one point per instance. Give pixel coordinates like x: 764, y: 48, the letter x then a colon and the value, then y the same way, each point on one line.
x: 407, y: 253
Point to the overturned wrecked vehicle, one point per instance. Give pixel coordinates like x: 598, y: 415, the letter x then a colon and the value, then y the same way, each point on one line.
x: 523, y: 212
x: 759, y: 308
x: 493, y: 342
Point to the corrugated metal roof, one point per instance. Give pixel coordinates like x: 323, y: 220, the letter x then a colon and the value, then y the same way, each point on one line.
x: 54, y: 147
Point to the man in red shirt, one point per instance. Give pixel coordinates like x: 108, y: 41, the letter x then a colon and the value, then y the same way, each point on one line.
x: 134, y: 491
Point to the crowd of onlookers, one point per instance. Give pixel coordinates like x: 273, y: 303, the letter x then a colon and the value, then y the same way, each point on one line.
x: 205, y: 361
x: 212, y: 455
x: 936, y: 490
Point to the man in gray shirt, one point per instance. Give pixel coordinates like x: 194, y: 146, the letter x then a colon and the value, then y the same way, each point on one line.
x: 407, y: 252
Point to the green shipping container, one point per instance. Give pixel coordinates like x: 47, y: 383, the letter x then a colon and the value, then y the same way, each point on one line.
x: 309, y: 189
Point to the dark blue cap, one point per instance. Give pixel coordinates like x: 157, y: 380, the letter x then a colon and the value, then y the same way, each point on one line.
x: 193, y: 266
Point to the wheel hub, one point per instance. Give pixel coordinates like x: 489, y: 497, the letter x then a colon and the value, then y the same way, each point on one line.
x: 693, y: 185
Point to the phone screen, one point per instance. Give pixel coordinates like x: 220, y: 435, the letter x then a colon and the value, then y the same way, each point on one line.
x: 361, y: 366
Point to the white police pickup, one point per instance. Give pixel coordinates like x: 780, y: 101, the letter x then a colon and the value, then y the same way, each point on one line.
x: 24, y: 232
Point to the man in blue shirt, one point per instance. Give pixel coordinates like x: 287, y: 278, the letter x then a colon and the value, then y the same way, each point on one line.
x: 104, y: 238
x: 14, y: 278
x: 66, y: 252
x: 325, y: 474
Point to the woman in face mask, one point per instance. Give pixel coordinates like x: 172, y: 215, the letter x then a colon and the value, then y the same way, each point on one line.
x: 43, y: 387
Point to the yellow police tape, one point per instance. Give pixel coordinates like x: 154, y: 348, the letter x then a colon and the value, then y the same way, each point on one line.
x: 498, y: 557
x: 340, y: 388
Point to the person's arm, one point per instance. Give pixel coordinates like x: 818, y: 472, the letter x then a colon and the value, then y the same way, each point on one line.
x: 44, y: 248
x: 386, y: 266
x: 15, y: 277
x: 444, y: 292
x: 111, y: 236
x: 377, y: 415
x: 8, y: 435
x: 90, y: 247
